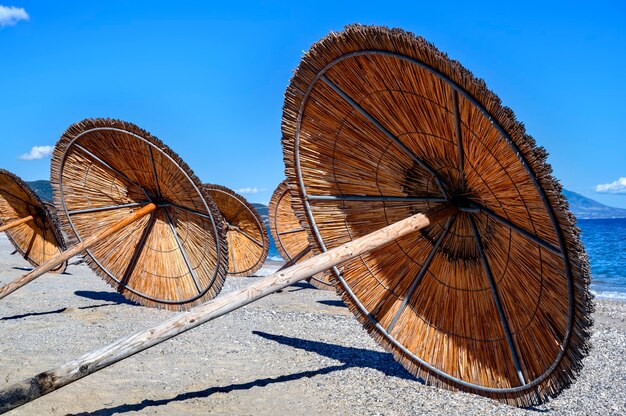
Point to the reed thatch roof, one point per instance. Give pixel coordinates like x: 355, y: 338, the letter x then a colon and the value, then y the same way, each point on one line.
x: 379, y: 125
x: 246, y: 234
x: 102, y: 171
x: 37, y: 240
x: 291, y: 239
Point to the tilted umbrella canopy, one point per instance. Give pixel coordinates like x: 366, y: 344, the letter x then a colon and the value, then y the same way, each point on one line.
x: 291, y: 238
x: 104, y: 170
x: 38, y: 239
x: 246, y: 233
x: 379, y: 125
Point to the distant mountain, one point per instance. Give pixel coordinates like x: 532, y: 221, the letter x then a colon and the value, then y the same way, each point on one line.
x: 587, y: 208
x: 42, y: 188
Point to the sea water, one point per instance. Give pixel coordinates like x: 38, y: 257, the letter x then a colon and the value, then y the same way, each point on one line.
x: 605, y: 242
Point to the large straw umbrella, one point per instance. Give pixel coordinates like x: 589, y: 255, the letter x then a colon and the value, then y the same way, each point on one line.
x: 138, y: 213
x: 290, y: 237
x: 28, y: 222
x: 379, y: 125
x: 487, y: 291
x: 246, y: 233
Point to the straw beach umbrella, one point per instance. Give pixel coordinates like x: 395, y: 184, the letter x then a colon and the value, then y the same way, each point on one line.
x: 475, y: 278
x: 28, y: 222
x: 139, y: 215
x: 378, y: 125
x: 246, y: 234
x: 291, y: 238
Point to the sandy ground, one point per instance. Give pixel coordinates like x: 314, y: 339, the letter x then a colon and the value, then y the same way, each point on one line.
x: 297, y: 352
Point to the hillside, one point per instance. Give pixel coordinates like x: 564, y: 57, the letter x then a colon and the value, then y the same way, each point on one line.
x: 587, y: 208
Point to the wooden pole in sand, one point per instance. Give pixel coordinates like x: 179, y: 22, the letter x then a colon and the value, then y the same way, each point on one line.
x: 72, y: 251
x: 49, y: 381
x: 15, y: 223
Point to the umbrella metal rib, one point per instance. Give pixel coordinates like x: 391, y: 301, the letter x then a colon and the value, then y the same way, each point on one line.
x: 108, y: 166
x: 459, y: 136
x: 138, y: 249
x: 498, y: 302
x: 249, y: 237
x: 107, y: 208
x: 386, y: 132
x: 422, y: 272
x: 154, y: 172
x: 536, y: 239
x: 182, y: 250
x: 376, y: 198
x: 295, y: 230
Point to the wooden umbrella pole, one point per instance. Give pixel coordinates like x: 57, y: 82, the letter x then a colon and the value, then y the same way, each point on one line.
x: 49, y: 381
x: 72, y: 251
x: 16, y: 223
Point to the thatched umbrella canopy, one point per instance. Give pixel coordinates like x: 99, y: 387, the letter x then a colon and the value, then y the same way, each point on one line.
x: 105, y: 170
x: 379, y: 125
x: 291, y: 238
x: 246, y: 233
x: 37, y: 239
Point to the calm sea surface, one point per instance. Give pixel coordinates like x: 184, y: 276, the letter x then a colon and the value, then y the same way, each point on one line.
x: 605, y: 242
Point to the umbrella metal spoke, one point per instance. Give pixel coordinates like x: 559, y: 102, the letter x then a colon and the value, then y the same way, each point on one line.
x: 459, y: 137
x: 381, y: 198
x: 295, y: 230
x: 536, y: 239
x: 386, y: 132
x: 420, y: 275
x: 156, y: 178
x: 107, y: 208
x: 189, y: 210
x: 111, y: 168
x: 496, y: 298
x: 182, y: 250
x: 232, y: 217
x: 249, y: 237
x: 138, y: 249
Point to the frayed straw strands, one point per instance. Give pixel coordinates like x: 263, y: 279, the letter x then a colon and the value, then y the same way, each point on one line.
x: 28, y: 222
x: 246, y: 233
x: 291, y: 239
x: 378, y: 125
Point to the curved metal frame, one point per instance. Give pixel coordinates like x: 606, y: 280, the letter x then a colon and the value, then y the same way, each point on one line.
x: 561, y: 251
x: 298, y: 256
x: 151, y: 146
x: 244, y: 204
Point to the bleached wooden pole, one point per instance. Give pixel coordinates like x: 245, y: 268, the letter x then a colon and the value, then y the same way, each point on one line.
x: 51, y: 380
x: 15, y: 223
x: 72, y: 251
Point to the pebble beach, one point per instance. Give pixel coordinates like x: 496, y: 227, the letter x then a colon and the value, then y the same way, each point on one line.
x: 297, y: 352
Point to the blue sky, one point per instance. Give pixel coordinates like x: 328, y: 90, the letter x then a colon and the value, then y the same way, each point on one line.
x: 208, y: 78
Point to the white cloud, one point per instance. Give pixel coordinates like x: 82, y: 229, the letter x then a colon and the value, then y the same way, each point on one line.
x: 249, y: 190
x: 37, y: 152
x: 10, y: 15
x: 616, y: 187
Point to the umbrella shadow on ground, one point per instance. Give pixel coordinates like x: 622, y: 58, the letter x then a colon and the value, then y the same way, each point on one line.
x: 336, y: 303
x: 104, y: 296
x: 111, y: 298
x: 348, y: 356
x: 61, y: 310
